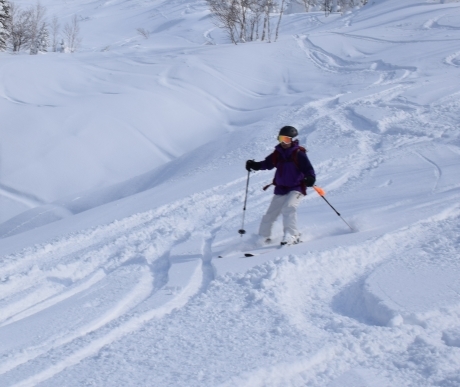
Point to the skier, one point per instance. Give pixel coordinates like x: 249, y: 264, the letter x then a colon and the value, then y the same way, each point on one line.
x: 294, y: 173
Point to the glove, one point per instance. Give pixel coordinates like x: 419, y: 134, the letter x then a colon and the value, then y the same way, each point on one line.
x: 309, y: 181
x: 252, y: 165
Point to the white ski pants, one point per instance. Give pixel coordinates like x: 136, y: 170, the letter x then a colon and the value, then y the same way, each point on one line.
x: 285, y: 205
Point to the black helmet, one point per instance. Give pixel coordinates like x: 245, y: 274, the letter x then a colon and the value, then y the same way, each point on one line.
x: 289, y: 131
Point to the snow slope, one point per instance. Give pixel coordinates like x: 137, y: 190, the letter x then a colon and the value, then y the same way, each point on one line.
x: 122, y: 182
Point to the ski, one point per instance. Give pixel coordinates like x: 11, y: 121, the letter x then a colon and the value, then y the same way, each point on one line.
x: 257, y: 251
x: 270, y: 249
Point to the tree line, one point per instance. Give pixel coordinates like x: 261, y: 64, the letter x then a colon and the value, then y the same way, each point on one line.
x: 329, y: 6
x: 243, y: 21
x: 29, y: 29
x: 249, y: 20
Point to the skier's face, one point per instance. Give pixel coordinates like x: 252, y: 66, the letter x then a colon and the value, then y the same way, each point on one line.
x: 285, y: 146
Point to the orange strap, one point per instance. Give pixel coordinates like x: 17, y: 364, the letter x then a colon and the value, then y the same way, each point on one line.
x: 319, y: 190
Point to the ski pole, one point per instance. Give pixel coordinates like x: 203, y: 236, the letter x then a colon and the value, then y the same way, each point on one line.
x: 242, y: 230
x: 321, y: 193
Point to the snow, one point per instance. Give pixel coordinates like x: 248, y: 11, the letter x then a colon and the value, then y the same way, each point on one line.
x: 122, y: 183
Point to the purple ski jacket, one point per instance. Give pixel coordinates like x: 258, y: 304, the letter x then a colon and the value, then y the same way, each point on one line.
x: 290, y: 168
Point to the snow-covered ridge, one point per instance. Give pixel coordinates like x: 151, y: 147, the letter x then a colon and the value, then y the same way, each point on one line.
x: 124, y: 164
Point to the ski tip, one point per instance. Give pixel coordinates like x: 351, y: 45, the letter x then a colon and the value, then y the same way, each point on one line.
x: 220, y: 256
x: 248, y: 255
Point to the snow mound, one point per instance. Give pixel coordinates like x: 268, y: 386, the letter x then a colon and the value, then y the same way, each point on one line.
x: 421, y: 285
x: 396, y: 294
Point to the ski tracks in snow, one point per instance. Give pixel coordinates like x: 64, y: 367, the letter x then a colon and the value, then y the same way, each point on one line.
x: 121, y: 276
x: 364, y: 122
x: 326, y: 61
x: 141, y: 268
x: 326, y: 291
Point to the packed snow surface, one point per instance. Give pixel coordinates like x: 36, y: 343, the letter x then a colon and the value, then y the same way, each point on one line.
x: 122, y: 184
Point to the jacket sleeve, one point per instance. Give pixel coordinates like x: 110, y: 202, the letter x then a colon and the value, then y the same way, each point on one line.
x: 267, y: 163
x: 305, y: 165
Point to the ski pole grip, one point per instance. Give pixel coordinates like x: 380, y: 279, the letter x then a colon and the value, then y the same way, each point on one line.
x: 319, y: 190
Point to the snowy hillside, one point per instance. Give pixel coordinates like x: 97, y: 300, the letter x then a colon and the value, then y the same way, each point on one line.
x: 122, y: 184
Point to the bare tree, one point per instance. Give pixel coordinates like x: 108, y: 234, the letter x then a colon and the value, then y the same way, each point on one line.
x: 350, y: 4
x: 5, y: 20
x: 55, y: 27
x: 257, y: 10
x: 72, y: 34
x: 266, y: 31
x: 224, y: 11
x: 279, y: 19
x: 19, y: 27
x: 36, y: 24
x: 43, y: 39
x: 327, y: 7
x: 308, y: 4
x: 241, y: 18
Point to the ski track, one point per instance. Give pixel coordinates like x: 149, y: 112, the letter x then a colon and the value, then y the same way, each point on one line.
x: 139, y: 293
x: 28, y: 200
x: 340, y: 111
x: 326, y: 61
x: 437, y: 170
x: 381, y: 40
x: 141, y: 241
x: 96, y: 345
x: 301, y: 276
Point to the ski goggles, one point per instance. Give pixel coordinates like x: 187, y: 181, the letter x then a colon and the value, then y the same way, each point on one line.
x: 285, y: 139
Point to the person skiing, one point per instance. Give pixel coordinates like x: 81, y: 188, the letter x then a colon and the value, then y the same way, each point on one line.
x: 294, y: 173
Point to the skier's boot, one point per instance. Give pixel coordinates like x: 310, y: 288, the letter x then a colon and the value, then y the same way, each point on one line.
x: 263, y: 241
x: 290, y: 239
